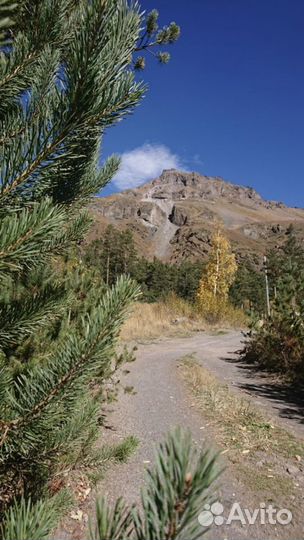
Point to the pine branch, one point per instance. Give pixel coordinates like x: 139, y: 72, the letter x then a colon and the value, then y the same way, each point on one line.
x: 29, y: 520
x: 96, y: 179
x: 21, y: 318
x: 65, y: 76
x: 154, y: 37
x: 18, y: 122
x: 76, y: 111
x: 176, y: 491
x: 7, y: 20
x: 112, y: 523
x: 29, y: 236
x: 66, y: 373
x: 36, y: 233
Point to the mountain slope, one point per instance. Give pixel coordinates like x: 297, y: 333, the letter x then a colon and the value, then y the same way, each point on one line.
x: 173, y: 216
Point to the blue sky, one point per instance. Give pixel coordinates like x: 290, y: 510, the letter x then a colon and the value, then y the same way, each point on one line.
x: 230, y: 103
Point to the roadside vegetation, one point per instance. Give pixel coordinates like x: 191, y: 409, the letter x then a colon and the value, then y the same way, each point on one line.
x: 262, y: 453
x: 276, y: 342
x: 241, y: 427
x: 174, y: 316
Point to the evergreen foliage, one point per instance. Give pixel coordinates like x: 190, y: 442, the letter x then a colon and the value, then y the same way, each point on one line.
x: 7, y: 20
x: 157, y: 279
x: 288, y: 258
x: 115, y: 254
x: 174, y: 494
x: 248, y: 289
x: 65, y: 76
x: 277, y: 342
x: 155, y: 37
x: 176, y: 490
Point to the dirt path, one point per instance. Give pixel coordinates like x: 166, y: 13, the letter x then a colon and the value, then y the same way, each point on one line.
x: 161, y: 402
x: 218, y: 354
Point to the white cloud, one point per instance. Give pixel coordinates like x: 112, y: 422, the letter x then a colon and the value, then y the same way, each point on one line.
x: 144, y: 163
x: 197, y: 160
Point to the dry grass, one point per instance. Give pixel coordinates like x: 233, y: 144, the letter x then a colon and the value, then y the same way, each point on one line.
x: 258, y: 451
x: 151, y: 321
x: 174, y: 317
x: 240, y: 426
x: 233, y: 317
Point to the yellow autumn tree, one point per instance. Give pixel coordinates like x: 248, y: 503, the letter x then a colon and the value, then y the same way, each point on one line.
x: 219, y: 274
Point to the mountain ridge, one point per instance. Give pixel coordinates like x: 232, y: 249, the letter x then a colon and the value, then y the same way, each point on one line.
x: 173, y: 216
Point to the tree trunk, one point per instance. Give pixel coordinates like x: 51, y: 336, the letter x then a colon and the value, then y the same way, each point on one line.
x: 217, y: 271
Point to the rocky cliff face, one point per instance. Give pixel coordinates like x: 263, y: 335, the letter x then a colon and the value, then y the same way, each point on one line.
x: 173, y: 217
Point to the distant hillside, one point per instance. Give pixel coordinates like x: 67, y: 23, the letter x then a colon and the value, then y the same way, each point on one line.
x: 173, y: 216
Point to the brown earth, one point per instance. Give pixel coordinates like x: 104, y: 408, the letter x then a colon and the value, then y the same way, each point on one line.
x: 173, y: 217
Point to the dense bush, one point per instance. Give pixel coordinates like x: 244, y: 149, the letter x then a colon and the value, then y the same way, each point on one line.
x: 248, y: 289
x: 276, y: 343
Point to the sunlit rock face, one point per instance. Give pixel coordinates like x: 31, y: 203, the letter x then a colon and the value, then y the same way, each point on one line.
x: 173, y: 216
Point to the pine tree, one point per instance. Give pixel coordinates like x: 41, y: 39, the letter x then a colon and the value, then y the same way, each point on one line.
x: 66, y: 74
x: 248, y: 289
x: 218, y: 276
x: 113, y: 255
x: 188, y: 277
x: 278, y: 343
x: 288, y: 258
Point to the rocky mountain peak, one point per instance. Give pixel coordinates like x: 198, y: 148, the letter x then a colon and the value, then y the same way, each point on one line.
x: 178, y: 185
x: 173, y: 216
